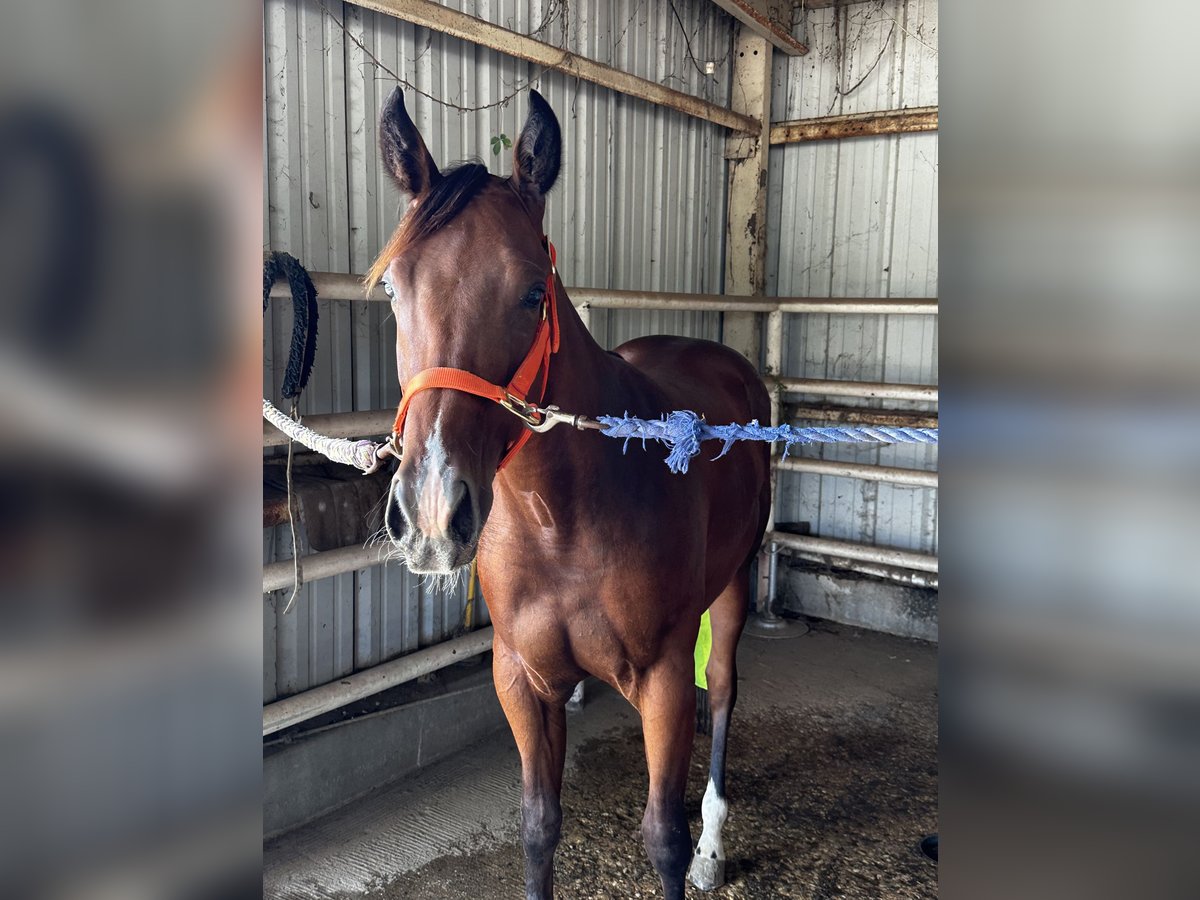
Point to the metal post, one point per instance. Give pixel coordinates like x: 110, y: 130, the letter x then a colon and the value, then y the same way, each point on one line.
x: 767, y: 623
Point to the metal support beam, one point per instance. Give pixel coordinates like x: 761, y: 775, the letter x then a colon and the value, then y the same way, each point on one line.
x: 876, y: 570
x: 746, y: 231
x: 328, y: 697
x: 878, y: 306
x: 834, y: 551
x: 279, y: 575
x: 834, y: 128
x: 746, y: 225
x: 890, y: 474
x: 773, y: 364
x: 338, y: 286
x: 770, y: 19
x: 870, y: 389
x: 468, y: 28
x: 859, y: 415
x: 825, y: 4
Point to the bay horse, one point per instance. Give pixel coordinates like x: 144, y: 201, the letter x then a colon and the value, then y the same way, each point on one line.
x: 592, y: 562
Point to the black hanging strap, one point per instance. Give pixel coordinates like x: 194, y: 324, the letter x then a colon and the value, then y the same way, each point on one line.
x: 304, y: 321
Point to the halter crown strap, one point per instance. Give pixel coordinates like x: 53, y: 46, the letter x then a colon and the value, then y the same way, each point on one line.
x: 535, y: 363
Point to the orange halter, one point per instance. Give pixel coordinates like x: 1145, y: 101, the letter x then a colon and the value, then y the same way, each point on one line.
x: 513, y: 396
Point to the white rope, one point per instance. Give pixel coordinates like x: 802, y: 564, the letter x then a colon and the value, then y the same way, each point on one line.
x: 360, y: 454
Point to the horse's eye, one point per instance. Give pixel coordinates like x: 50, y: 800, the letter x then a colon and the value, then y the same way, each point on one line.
x: 533, y: 297
x: 387, y: 289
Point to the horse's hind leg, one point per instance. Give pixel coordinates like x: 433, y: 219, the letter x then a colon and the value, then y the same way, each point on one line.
x: 728, y: 614
x: 541, y: 734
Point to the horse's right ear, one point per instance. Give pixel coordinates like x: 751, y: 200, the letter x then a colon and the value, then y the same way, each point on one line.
x: 404, y: 152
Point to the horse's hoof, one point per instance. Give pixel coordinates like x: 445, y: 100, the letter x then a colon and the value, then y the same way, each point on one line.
x: 575, y: 703
x: 706, y: 873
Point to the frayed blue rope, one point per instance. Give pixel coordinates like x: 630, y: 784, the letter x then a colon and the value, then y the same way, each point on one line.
x: 684, y: 431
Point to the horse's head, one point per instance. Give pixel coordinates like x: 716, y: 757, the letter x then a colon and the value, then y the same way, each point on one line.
x: 467, y: 274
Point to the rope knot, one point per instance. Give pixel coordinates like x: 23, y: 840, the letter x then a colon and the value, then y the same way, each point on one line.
x: 682, y: 436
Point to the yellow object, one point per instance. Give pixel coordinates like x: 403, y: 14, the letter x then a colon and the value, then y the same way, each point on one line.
x: 469, y: 609
x: 703, y: 649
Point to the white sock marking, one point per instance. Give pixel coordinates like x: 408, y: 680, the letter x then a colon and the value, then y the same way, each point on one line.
x: 715, y: 810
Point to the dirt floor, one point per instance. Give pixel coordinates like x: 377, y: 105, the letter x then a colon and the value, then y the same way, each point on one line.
x: 832, y: 784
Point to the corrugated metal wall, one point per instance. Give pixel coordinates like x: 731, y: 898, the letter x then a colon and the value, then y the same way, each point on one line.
x: 858, y: 218
x: 640, y: 205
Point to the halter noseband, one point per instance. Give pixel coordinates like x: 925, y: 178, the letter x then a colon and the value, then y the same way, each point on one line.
x: 513, y: 396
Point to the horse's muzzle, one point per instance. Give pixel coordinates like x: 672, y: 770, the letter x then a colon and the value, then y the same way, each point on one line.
x: 434, y: 520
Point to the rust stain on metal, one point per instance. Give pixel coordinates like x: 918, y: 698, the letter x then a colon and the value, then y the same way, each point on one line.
x: 828, y: 128
x: 847, y: 415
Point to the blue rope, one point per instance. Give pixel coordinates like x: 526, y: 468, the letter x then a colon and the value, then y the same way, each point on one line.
x: 684, y: 431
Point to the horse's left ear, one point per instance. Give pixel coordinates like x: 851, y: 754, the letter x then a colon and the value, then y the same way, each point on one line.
x: 538, y: 154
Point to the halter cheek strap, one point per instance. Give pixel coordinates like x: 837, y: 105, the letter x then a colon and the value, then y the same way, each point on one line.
x: 513, y: 396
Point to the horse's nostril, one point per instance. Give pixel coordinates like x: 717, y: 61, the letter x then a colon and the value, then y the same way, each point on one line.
x: 462, y: 522
x: 393, y: 514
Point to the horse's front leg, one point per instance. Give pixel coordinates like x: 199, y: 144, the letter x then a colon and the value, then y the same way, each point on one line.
x: 539, y: 726
x: 667, y: 702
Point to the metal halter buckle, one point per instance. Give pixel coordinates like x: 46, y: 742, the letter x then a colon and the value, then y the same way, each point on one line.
x: 552, y: 415
x: 526, y: 412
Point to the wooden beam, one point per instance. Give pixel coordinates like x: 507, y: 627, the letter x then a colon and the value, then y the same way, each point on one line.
x: 834, y: 128
x: 770, y: 19
x: 468, y: 28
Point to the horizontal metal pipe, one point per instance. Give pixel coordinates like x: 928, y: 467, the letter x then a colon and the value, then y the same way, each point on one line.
x: 860, y: 306
x: 333, y: 286
x: 833, y: 551
x: 871, y: 389
x: 876, y: 570
x: 328, y: 697
x: 860, y: 415
x: 314, y: 566
x: 596, y: 298
x: 339, y: 425
x: 338, y: 286
x: 891, y: 474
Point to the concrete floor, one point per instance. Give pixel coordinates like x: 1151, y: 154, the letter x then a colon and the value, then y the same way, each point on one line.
x: 832, y: 783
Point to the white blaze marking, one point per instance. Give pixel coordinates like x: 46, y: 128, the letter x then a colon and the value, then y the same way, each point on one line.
x: 715, y: 810
x: 433, y: 507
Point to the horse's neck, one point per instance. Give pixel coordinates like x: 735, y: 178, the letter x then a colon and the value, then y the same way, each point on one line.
x: 580, y: 371
x: 584, y: 379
